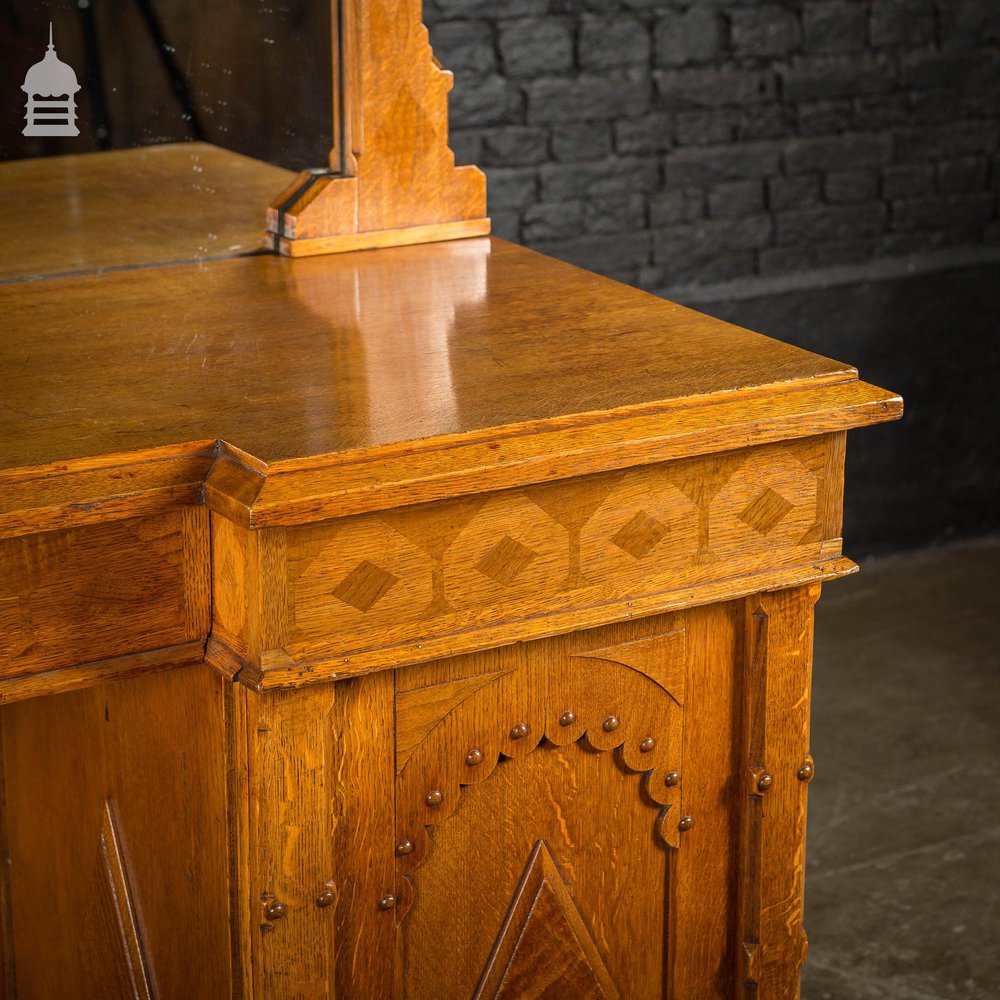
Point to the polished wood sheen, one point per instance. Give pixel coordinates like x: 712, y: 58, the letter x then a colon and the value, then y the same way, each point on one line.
x: 83, y: 213
x: 432, y: 621
x: 392, y: 179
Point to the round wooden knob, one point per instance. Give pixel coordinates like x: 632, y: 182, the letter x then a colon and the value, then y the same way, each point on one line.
x: 519, y: 731
x: 387, y: 902
x: 672, y: 779
x: 685, y: 824
x: 275, y: 910
x: 326, y: 898
x: 764, y: 781
x: 403, y: 848
x: 567, y: 718
x: 806, y: 771
x: 474, y: 757
x: 434, y: 798
x: 647, y: 745
x: 610, y: 724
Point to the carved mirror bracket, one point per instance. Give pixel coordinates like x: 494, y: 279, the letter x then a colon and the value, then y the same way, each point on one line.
x: 392, y: 178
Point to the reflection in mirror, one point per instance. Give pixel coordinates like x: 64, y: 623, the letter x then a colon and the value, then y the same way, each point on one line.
x: 248, y: 75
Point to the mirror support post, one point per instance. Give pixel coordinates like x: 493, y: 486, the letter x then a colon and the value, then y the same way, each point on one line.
x: 392, y: 178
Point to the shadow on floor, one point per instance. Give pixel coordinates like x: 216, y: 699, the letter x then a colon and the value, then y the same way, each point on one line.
x: 903, y: 877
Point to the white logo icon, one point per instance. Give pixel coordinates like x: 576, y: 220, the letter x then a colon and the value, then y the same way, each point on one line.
x: 51, y: 86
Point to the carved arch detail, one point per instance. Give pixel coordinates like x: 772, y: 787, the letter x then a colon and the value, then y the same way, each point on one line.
x: 619, y: 688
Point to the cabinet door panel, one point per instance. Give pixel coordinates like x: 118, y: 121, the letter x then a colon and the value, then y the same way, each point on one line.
x: 540, y: 795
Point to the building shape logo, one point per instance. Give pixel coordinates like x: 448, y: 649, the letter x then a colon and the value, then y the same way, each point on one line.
x: 51, y: 88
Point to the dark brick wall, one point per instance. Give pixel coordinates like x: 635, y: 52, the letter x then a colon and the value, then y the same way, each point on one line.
x: 679, y: 141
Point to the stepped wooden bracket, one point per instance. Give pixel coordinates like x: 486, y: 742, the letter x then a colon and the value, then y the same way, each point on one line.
x: 392, y: 179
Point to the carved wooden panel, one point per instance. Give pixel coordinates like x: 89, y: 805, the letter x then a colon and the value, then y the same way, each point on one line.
x: 544, y: 945
x: 600, y: 884
x: 662, y: 922
x: 620, y: 688
x: 130, y: 948
x: 118, y: 860
x: 496, y: 721
x: 393, y: 177
x: 103, y: 591
x: 365, y: 583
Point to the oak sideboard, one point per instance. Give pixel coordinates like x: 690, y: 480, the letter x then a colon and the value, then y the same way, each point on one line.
x: 423, y: 622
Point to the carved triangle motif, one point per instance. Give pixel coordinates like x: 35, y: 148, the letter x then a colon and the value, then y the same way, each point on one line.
x: 420, y: 710
x: 544, y: 950
x: 662, y: 658
x: 113, y: 862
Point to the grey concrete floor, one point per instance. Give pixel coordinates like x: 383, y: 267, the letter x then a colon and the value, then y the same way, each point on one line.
x: 903, y: 873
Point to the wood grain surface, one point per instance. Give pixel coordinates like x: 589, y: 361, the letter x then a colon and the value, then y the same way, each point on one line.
x: 80, y: 600
x: 131, y: 208
x: 304, y: 370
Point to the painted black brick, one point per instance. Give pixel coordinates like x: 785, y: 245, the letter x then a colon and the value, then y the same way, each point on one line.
x: 581, y: 142
x: 609, y: 42
x: 943, y: 212
x: 653, y: 133
x: 901, y: 23
x: 946, y: 142
x: 711, y: 238
x: 530, y: 48
x: 684, y: 38
x: 837, y: 152
x: 907, y: 181
x: 466, y: 47
x: 514, y: 146
x: 833, y: 28
x: 763, y: 31
x: 605, y: 177
x: 736, y: 198
x: 585, y: 98
x: 685, y: 167
x: 851, y: 185
x: 667, y: 140
x: 831, y: 222
x: 802, y: 191
x: 711, y: 88
x: 669, y: 208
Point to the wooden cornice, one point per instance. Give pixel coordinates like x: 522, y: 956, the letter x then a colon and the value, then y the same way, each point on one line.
x: 248, y: 491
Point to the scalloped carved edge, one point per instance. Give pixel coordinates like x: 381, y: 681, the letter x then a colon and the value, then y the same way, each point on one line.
x: 660, y: 659
x: 667, y: 833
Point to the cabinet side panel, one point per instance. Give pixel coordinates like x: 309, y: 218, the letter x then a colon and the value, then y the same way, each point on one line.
x: 116, y: 824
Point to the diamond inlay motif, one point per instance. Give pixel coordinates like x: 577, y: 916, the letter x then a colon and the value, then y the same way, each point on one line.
x: 365, y: 586
x: 639, y: 535
x: 506, y: 561
x: 764, y: 513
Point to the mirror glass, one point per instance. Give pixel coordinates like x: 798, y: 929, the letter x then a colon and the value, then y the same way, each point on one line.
x: 252, y: 76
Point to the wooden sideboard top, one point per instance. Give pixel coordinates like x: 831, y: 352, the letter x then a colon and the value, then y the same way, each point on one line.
x: 294, y: 390
x: 154, y: 205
